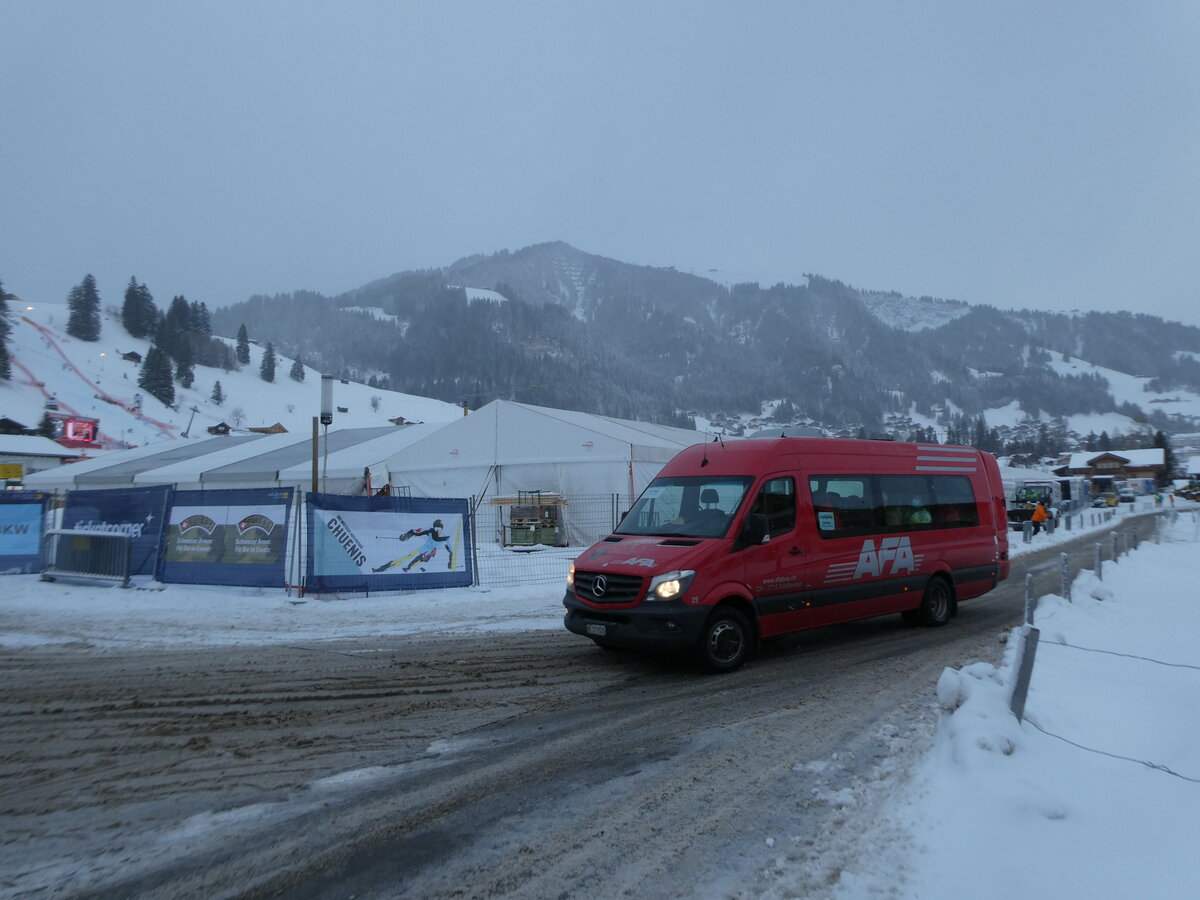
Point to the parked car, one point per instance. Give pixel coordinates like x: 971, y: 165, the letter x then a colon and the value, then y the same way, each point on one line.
x: 1108, y: 498
x: 1127, y: 497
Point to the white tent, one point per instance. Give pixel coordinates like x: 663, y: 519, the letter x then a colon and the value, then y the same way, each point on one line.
x: 497, y: 452
x: 506, y: 448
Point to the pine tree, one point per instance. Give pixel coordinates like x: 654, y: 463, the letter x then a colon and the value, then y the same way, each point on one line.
x: 1170, y: 462
x: 138, y: 313
x: 185, y: 374
x: 129, y: 308
x: 218, y: 395
x: 267, y: 368
x: 46, y: 426
x: 201, y: 321
x: 243, y: 346
x: 155, y: 376
x: 84, y: 303
x: 5, y: 328
x: 297, y: 373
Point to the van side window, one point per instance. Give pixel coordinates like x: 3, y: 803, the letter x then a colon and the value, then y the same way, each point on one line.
x: 842, y: 504
x: 850, y: 505
x: 955, y: 502
x: 907, y: 502
x: 777, y: 501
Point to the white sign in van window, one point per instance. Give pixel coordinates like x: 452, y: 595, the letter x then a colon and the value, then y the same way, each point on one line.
x: 653, y: 492
x: 826, y: 521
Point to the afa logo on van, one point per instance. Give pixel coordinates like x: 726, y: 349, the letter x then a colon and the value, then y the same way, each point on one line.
x: 894, y: 556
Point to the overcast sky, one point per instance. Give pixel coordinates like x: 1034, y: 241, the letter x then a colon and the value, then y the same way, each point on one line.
x: 1042, y: 154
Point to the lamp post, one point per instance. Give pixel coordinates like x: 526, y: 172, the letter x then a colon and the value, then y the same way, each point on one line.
x: 190, y: 421
x: 326, y: 418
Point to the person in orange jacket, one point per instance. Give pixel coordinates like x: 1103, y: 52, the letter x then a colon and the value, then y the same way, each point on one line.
x: 1039, y: 517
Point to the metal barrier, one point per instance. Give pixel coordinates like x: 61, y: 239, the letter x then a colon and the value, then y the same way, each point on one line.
x: 586, y: 518
x: 95, y: 557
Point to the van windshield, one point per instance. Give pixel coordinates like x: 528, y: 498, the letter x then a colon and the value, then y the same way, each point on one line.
x: 691, y: 506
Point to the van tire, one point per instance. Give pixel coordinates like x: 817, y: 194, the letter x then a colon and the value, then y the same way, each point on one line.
x: 937, y: 604
x: 725, y: 642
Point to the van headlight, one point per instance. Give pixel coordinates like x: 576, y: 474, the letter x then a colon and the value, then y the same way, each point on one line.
x: 670, y: 585
x: 571, y: 576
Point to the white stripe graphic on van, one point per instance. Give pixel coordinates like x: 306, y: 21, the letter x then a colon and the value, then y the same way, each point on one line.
x: 946, y: 468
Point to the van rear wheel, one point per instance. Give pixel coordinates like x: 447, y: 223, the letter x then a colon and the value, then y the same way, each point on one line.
x: 937, y: 603
x: 725, y: 641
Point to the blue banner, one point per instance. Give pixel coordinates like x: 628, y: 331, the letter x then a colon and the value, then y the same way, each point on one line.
x: 139, y: 512
x: 21, y: 514
x: 227, y: 537
x: 387, y: 543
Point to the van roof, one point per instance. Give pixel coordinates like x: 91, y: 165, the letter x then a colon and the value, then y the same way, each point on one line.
x: 750, y: 456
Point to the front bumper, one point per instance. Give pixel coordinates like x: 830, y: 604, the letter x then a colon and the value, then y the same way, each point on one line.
x: 664, y: 625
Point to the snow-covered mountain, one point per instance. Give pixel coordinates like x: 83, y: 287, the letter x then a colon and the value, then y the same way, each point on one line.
x: 586, y: 332
x: 94, y: 380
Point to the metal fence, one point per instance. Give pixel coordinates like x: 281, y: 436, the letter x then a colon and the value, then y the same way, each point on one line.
x: 1115, y: 544
x: 500, y: 560
x: 94, y: 556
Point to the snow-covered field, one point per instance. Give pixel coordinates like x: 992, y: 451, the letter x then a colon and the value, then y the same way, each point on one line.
x: 1093, y: 795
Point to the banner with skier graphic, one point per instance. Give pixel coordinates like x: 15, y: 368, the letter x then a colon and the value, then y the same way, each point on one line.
x: 387, y: 543
x: 227, y: 537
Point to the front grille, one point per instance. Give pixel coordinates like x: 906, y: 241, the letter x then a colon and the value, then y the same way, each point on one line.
x: 615, y: 588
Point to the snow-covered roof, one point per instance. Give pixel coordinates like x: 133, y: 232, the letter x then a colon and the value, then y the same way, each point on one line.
x: 1152, y: 456
x: 33, y: 445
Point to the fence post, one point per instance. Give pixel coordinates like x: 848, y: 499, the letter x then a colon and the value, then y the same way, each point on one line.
x: 1114, y: 552
x: 1026, y: 651
x: 1099, y: 566
x: 1064, y: 561
x: 1030, y: 600
x: 1027, y: 531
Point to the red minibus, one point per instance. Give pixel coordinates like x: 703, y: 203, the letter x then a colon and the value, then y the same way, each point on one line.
x: 743, y: 540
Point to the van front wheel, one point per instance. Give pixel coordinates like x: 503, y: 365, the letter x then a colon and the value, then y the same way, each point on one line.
x: 725, y: 642
x: 937, y: 603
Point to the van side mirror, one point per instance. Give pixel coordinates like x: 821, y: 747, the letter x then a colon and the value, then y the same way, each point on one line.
x: 756, y: 530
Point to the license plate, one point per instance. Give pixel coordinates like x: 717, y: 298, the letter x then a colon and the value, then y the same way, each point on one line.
x: 598, y: 630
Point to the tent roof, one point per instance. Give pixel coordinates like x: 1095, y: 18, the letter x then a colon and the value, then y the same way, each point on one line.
x: 123, y: 465
x: 351, y: 460
x: 266, y: 466
x: 33, y: 445
x: 253, y: 459
x: 507, y: 433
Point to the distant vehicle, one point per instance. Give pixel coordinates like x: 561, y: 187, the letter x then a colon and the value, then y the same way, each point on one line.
x: 1108, y: 498
x: 1027, y: 495
x: 1126, y: 496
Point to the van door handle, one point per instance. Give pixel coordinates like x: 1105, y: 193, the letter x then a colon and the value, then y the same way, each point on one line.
x: 795, y: 550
